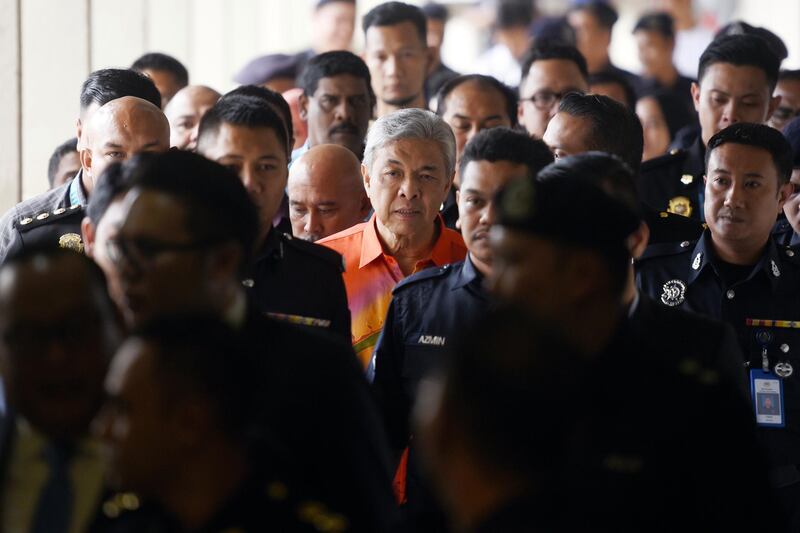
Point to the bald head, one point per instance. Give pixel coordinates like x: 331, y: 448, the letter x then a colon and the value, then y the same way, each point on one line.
x: 184, y: 112
x: 326, y: 194
x: 119, y: 129
x: 53, y: 357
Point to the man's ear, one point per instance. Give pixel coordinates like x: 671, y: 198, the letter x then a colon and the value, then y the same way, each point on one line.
x: 78, y: 131
x: 783, y: 194
x: 430, y: 53
x: 302, y: 106
x: 365, y: 206
x: 225, y: 263
x: 696, y: 96
x: 638, y: 240
x: 86, y: 161
x: 365, y: 177
x: 88, y: 235
x: 774, y: 102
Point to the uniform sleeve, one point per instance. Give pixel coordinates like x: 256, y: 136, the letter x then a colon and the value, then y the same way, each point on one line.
x: 8, y: 234
x: 387, y: 385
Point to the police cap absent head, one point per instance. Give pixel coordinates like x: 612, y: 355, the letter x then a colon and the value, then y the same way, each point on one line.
x: 760, y: 136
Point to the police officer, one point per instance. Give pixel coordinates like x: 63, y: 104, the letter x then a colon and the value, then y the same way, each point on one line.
x: 642, y: 446
x: 735, y: 272
x: 196, y: 468
x: 290, y: 279
x: 53, y: 218
x: 432, y: 306
x: 598, y: 123
x: 736, y: 78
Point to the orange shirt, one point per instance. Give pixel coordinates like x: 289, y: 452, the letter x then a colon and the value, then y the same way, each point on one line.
x: 370, y: 275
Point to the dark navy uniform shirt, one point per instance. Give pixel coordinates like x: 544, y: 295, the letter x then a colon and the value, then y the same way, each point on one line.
x: 674, y: 182
x: 688, y: 275
x: 300, y: 282
x: 784, y: 234
x: 428, y: 309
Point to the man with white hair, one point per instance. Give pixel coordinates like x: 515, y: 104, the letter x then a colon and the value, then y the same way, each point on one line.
x: 408, y: 168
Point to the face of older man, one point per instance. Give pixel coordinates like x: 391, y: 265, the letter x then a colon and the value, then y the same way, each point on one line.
x: 118, y: 130
x: 184, y: 112
x: 406, y: 184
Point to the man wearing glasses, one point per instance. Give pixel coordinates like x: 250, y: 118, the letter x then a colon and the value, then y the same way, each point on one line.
x: 548, y: 73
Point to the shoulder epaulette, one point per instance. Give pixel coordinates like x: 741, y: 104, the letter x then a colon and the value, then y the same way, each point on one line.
x: 790, y: 254
x: 317, y: 250
x: 662, y: 249
x: 422, y: 275
x: 663, y: 160
x: 48, y: 217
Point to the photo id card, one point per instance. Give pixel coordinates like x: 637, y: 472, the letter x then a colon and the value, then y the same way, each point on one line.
x: 767, y: 392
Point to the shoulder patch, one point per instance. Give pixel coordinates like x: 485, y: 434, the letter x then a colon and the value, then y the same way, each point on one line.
x: 317, y: 250
x: 671, y: 158
x: 663, y: 249
x: 422, y: 275
x: 48, y: 217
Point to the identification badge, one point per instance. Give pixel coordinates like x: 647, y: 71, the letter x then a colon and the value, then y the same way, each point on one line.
x: 767, y: 392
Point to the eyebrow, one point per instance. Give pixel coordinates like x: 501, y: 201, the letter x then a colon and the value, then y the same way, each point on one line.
x: 747, y: 174
x: 465, y: 117
x: 472, y: 191
x: 112, y: 145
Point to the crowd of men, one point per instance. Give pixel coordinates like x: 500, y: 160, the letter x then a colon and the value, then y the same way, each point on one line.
x: 340, y: 311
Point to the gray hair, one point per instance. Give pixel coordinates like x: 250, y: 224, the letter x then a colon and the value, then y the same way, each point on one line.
x: 411, y: 124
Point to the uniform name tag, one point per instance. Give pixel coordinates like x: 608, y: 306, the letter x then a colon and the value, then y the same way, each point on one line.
x: 767, y: 392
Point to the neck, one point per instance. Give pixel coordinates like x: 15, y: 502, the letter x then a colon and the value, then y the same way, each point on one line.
x: 418, y: 102
x: 684, y: 19
x: 598, y: 64
x: 484, y: 268
x: 667, y: 77
x: 408, y: 250
x: 515, y: 39
x: 195, y: 495
x: 739, y: 253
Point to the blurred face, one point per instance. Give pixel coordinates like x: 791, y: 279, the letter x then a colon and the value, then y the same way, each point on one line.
x: 259, y: 158
x: 566, y: 135
x: 435, y: 36
x: 655, y: 52
x: 53, y: 356
x: 541, y: 92
x: 592, y: 40
x: 333, y: 26
x: 97, y: 248
x: 729, y: 94
x: 398, y: 63
x: 615, y: 91
x: 166, y: 84
x: 406, y: 185
x: 654, y: 126
x: 160, y: 267
x: 321, y: 204
x: 184, y: 113
x: 136, y: 422
x: 338, y: 112
x: 471, y: 108
x: 69, y: 165
x: 743, y: 198
x: 476, y: 210
x: 789, y: 106
x: 792, y: 206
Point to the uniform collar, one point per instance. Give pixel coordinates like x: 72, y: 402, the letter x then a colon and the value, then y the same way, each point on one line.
x: 703, y: 256
x: 371, y: 247
x: 696, y: 161
x: 77, y: 196
x: 468, y: 274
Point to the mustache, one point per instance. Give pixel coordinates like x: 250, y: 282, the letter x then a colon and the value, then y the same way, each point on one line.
x: 727, y: 212
x: 345, y: 127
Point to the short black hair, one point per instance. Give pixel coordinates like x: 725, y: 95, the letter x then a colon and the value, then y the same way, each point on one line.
x: 742, y: 51
x: 61, y: 150
x: 393, y: 13
x: 659, y: 22
x: 108, y: 84
x: 760, y: 136
x: 789, y: 75
x: 218, y: 207
x: 112, y: 183
x: 614, y: 128
x: 554, y: 50
x: 605, y: 15
x: 434, y: 11
x: 330, y: 64
x: 165, y: 63
x: 485, y: 82
x: 773, y: 42
x: 513, y: 14
x: 274, y: 99
x: 200, y: 354
x: 504, y: 144
x: 611, y: 77
x: 245, y: 111
x: 507, y: 367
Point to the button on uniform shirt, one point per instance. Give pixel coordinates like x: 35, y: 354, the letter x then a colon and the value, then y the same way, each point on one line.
x: 689, y: 276
x: 370, y: 275
x: 27, y: 473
